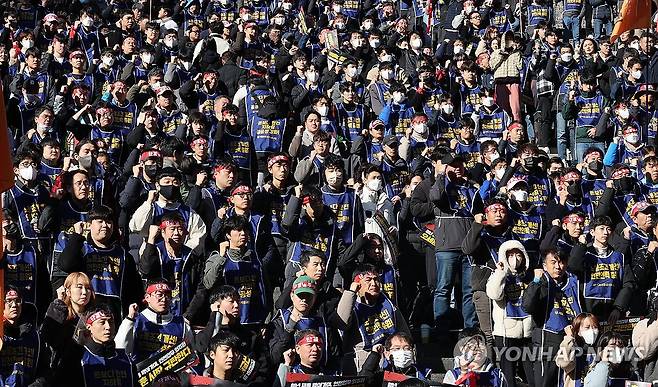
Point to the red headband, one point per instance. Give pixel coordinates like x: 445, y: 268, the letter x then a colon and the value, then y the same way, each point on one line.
x: 276, y: 159
x: 573, y: 218
x: 12, y: 293
x: 163, y: 287
x: 199, y: 141
x: 95, y: 316
x: 151, y: 153
x: 618, y: 173
x: 495, y: 206
x: 168, y: 223
x: 309, y: 339
x: 308, y: 199
x: 571, y: 175
x: 241, y: 189
x: 629, y: 129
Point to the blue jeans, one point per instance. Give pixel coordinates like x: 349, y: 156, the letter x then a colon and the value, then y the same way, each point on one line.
x: 572, y: 25
x: 580, y: 149
x: 562, y: 134
x: 447, y: 264
x: 598, y: 25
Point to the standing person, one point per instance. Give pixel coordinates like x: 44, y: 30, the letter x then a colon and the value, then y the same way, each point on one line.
x: 512, y: 325
x: 552, y: 299
x: 445, y: 199
x: 507, y: 64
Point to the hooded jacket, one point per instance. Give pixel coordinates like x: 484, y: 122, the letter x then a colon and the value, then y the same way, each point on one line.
x: 504, y: 326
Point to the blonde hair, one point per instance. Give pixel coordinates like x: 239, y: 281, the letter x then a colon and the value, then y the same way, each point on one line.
x: 72, y: 279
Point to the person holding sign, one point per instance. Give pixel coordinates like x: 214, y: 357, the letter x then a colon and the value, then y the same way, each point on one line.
x: 155, y: 328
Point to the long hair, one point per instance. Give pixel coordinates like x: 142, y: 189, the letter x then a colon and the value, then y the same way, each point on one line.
x: 71, y: 280
x: 575, y: 325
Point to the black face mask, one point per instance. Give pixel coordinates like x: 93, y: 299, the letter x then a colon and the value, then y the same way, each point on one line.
x: 11, y: 231
x: 595, y: 166
x: 530, y: 163
x: 574, y: 189
x: 151, y: 171
x: 170, y: 192
x: 624, y: 184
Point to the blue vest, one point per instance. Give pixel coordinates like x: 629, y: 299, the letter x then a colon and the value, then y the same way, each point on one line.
x: 573, y: 5
x: 21, y: 271
x: 28, y: 207
x: 539, y: 192
x: 50, y: 172
x: 125, y: 117
x: 389, y: 283
x: 624, y: 204
x: 114, y: 140
x: 538, y: 14
x: 460, y: 198
x: 375, y: 322
x: 278, y: 209
x: 471, y: 152
x: 447, y: 129
x: 19, y: 358
x: 351, y: 9
x: 27, y: 18
x: 469, y: 98
x: 206, y: 102
x: 604, y: 278
x: 499, y: 20
x: 568, y: 74
x: 239, y: 148
x: 400, y: 119
x: 514, y: 287
x: 105, y: 267
x: 107, y: 371
x: 631, y: 158
x: 493, y: 242
x: 225, y: 14
x: 433, y: 96
x: 395, y: 178
x: 171, y: 122
x: 174, y: 270
x: 562, y: 310
x: 491, y: 378
x: 151, y: 337
x: 526, y: 228
x: 493, y: 124
x: 343, y: 205
x: 315, y: 322
x: 383, y: 91
x: 351, y: 122
x: 253, y: 101
x: 267, y: 134
x: 650, y: 192
x: 321, y: 239
x: 247, y: 278
x: 589, y: 110
x: 593, y: 189
x: 182, y: 209
x: 89, y: 41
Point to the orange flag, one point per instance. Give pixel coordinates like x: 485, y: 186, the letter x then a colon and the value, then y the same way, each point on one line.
x: 6, y: 182
x: 634, y: 14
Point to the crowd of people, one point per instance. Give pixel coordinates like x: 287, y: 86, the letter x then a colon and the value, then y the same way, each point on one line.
x: 315, y: 187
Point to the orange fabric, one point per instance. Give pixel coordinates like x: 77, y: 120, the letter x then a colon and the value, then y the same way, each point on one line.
x: 634, y: 14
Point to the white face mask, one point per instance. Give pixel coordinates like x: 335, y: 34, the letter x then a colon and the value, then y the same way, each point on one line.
x: 494, y: 156
x: 351, y: 72
x: 637, y: 74
x: 420, y: 128
x: 566, y: 57
x: 340, y: 26
x: 635, y: 45
x: 356, y: 43
x: 375, y: 43
x: 245, y: 16
x: 186, y: 65
x: 416, y: 43
x: 170, y: 43
x: 616, y: 356
x: 387, y: 58
x: 27, y: 43
x: 447, y: 109
x: 367, y: 25
x: 28, y: 174
x: 375, y: 185
x: 520, y: 196
x: 337, y: 8
x: 147, y: 58
x: 44, y: 128
x: 402, y: 358
x: 632, y: 138
x: 334, y: 178
x: 624, y: 113
x: 312, y: 77
x: 589, y: 335
x: 323, y: 110
x: 487, y: 101
x: 285, y: 6
x: 87, y: 22
x: 398, y: 97
x: 458, y: 49
x: 499, y: 173
x: 108, y: 61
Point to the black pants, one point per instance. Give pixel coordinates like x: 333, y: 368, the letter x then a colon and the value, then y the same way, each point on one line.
x: 544, y: 122
x: 513, y: 353
x: 545, y: 345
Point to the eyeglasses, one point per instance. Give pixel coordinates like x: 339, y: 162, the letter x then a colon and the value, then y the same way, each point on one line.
x: 27, y: 164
